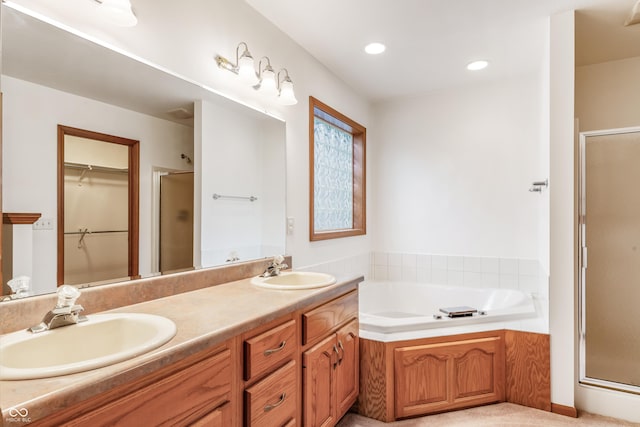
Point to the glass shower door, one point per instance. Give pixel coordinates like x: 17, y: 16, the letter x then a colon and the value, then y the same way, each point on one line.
x: 610, y: 259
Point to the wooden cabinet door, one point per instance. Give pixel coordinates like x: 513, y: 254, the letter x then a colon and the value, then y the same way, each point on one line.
x: 421, y: 384
x: 347, y: 372
x: 319, y: 363
x: 478, y: 371
x: 220, y: 417
x: 437, y: 377
x: 177, y: 400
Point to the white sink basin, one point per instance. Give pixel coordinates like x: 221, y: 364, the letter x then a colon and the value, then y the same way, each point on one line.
x: 102, y: 340
x: 294, y: 280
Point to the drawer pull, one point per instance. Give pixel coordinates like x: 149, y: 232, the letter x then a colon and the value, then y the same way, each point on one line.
x: 271, y: 406
x: 270, y: 351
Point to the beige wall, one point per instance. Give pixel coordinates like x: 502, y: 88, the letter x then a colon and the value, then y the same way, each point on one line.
x: 608, y: 95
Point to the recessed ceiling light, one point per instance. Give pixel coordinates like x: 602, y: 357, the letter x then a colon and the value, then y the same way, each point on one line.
x: 374, y: 48
x: 477, y: 65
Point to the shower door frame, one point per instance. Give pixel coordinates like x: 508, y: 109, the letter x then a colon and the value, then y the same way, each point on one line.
x: 583, y: 263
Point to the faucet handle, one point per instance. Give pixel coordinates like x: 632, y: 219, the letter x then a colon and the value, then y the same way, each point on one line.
x: 67, y: 296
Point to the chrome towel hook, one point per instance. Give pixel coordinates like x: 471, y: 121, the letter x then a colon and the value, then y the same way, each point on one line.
x: 537, y: 186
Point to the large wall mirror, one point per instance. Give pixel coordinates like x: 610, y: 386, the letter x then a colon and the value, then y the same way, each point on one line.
x: 222, y: 162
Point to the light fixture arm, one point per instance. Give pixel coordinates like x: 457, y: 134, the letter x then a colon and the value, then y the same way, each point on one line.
x: 286, y: 77
x: 246, y: 51
x: 267, y: 67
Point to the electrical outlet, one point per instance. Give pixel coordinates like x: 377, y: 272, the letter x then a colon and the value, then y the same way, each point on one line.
x: 290, y: 225
x: 43, y: 224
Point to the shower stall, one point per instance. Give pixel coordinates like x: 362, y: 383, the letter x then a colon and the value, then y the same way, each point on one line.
x: 609, y: 221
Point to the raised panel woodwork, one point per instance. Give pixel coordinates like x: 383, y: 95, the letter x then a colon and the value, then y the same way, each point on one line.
x: 478, y: 371
x: 272, y: 401
x: 347, y: 371
x: 442, y: 376
x: 474, y: 374
x: 269, y: 349
x: 322, y: 320
x: 318, y: 384
x: 519, y: 373
x: 177, y: 400
x: 421, y: 379
x: 528, y: 369
x: 220, y: 417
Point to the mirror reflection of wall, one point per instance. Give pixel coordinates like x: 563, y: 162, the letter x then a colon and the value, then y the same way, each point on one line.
x: 243, y: 160
x: 29, y: 159
x: 51, y: 76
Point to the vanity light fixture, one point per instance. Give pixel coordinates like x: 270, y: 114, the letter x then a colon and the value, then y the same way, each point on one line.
x: 243, y: 67
x: 285, y: 89
x: 267, y: 78
x: 265, y: 81
x: 118, y: 12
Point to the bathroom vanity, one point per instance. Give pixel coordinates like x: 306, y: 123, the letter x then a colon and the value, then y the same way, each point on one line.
x: 242, y: 355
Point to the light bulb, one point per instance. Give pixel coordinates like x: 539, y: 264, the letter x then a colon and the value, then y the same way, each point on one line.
x: 268, y: 83
x: 287, y: 97
x: 246, y: 70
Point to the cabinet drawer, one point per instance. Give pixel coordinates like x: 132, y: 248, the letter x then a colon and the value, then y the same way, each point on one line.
x: 220, y: 417
x: 177, y: 400
x: 267, y: 350
x: 319, y: 321
x: 272, y: 401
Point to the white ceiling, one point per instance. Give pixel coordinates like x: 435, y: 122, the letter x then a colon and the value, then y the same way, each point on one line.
x: 429, y: 42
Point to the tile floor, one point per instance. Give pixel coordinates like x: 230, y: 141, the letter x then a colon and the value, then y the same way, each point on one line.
x: 498, y: 415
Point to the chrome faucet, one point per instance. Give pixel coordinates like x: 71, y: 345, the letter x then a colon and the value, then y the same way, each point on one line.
x: 274, y: 268
x: 66, y: 311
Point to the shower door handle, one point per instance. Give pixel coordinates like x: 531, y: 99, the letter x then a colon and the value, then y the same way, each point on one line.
x: 584, y: 257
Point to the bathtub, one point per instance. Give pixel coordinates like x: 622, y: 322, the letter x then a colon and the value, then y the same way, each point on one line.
x: 397, y: 311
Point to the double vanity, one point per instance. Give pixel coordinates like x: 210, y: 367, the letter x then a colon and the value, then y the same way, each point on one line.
x: 241, y: 353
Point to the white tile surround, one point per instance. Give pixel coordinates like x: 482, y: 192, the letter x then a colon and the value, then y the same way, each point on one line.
x: 483, y: 272
x: 526, y: 275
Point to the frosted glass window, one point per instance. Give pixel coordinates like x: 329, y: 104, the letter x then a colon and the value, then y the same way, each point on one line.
x: 333, y: 177
x: 337, y: 163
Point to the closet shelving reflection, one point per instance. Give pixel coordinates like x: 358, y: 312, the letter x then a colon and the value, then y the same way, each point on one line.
x: 86, y: 168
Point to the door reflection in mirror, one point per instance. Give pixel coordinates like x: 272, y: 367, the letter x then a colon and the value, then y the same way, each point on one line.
x: 97, y: 206
x: 176, y: 221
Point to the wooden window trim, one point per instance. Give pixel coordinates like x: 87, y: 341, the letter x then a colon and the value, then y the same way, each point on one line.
x: 359, y: 133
